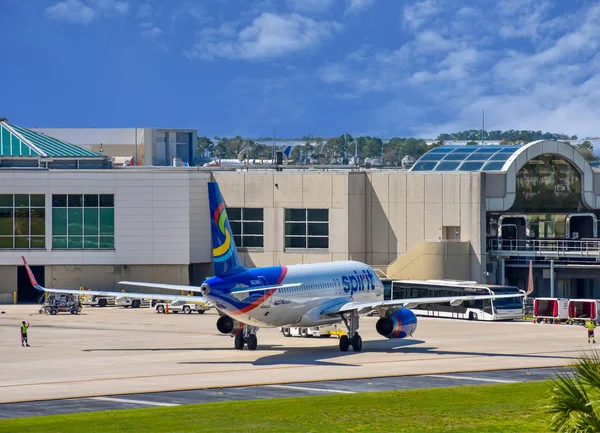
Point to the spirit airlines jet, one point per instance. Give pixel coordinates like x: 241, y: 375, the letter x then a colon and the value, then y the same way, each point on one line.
x: 280, y: 296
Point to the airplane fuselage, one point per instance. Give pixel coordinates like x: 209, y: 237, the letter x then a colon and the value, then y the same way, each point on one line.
x: 322, y: 285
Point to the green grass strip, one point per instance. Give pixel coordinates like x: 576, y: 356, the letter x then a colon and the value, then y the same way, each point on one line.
x: 495, y: 408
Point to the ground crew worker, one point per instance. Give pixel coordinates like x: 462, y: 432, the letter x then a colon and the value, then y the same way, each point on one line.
x: 24, y: 328
x: 590, y: 327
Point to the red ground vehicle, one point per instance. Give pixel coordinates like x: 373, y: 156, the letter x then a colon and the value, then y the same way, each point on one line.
x: 550, y: 310
x: 581, y: 310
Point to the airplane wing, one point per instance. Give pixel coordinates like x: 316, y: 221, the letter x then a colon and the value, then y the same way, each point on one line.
x: 366, y: 307
x: 197, y: 289
x: 176, y: 287
x: 263, y: 288
x: 158, y: 296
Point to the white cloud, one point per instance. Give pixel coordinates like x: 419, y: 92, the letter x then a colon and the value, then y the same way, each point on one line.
x: 468, y: 12
x: 452, y: 72
x: 190, y: 10
x: 520, y: 69
x: 153, y: 33
x: 310, y: 5
x: 268, y: 36
x: 80, y: 12
x: 455, y: 66
x: 418, y: 13
x: 430, y: 40
x: 110, y: 6
x: 72, y: 11
x: 356, y: 6
x: 523, y: 18
x: 145, y: 11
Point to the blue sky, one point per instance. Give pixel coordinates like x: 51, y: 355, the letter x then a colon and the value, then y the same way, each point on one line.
x: 379, y: 67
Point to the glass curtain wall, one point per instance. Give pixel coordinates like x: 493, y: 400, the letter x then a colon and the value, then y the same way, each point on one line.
x: 83, y: 221
x: 22, y: 221
x: 548, y: 188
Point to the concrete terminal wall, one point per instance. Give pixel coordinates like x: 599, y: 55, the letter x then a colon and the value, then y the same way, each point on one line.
x: 432, y: 260
x: 374, y: 217
x: 107, y: 277
x: 8, y: 284
x: 276, y: 191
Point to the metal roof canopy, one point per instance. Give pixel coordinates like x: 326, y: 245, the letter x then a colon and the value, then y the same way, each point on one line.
x: 20, y: 142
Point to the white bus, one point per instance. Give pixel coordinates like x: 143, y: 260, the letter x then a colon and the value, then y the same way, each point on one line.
x: 496, y: 309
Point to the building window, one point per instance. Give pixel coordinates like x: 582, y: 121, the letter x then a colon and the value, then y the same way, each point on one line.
x: 247, y: 225
x: 83, y: 221
x: 307, y: 228
x: 22, y: 221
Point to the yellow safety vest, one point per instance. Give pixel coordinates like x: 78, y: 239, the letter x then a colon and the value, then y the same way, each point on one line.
x: 591, y: 326
x: 23, y: 329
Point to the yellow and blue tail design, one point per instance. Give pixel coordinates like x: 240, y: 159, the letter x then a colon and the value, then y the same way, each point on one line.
x: 225, y: 257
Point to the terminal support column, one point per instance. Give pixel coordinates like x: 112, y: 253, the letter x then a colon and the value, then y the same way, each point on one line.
x: 552, y: 278
x: 502, y: 273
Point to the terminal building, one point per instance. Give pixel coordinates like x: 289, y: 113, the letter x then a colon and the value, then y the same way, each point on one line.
x: 479, y: 213
x: 133, y: 146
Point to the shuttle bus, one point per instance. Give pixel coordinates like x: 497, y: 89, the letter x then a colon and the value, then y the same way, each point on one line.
x: 497, y: 309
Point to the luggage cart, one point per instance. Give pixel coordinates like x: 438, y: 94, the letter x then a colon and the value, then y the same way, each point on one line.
x: 550, y: 310
x: 582, y: 310
x: 59, y: 303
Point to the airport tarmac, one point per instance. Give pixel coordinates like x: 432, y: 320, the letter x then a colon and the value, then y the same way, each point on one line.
x: 351, y: 386
x: 115, y: 351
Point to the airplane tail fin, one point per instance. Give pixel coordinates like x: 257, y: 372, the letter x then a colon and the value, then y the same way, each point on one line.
x: 225, y: 257
x: 34, y: 282
x: 287, y: 151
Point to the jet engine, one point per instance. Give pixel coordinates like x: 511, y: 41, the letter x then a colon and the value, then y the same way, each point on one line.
x: 205, y: 289
x: 402, y: 323
x: 226, y: 325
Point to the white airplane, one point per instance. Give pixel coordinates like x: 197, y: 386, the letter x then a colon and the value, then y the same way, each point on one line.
x: 239, y: 163
x: 300, y: 295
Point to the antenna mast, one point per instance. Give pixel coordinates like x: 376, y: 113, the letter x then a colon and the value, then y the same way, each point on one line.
x: 356, y: 163
x: 482, y: 124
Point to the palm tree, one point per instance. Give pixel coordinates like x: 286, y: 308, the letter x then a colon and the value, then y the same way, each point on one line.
x: 575, y: 397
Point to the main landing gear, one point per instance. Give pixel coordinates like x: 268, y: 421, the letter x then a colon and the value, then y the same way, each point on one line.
x: 247, y: 336
x: 351, y: 322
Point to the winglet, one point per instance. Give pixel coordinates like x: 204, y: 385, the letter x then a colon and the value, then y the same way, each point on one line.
x: 34, y: 283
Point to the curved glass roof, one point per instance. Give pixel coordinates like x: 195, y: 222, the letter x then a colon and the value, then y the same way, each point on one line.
x: 489, y: 157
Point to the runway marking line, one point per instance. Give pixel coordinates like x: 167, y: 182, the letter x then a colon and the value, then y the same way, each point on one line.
x: 125, y: 400
x: 478, y: 379
x: 278, y: 367
x: 333, y: 379
x: 305, y: 388
x: 194, y: 373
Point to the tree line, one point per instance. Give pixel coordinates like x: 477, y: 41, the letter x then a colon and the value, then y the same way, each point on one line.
x: 334, y: 150
x: 511, y: 136
x: 341, y: 150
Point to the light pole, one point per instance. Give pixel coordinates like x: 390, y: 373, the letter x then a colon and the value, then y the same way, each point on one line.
x: 382, y: 152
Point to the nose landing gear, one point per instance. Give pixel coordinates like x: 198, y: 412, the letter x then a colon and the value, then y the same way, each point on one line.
x: 351, y: 322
